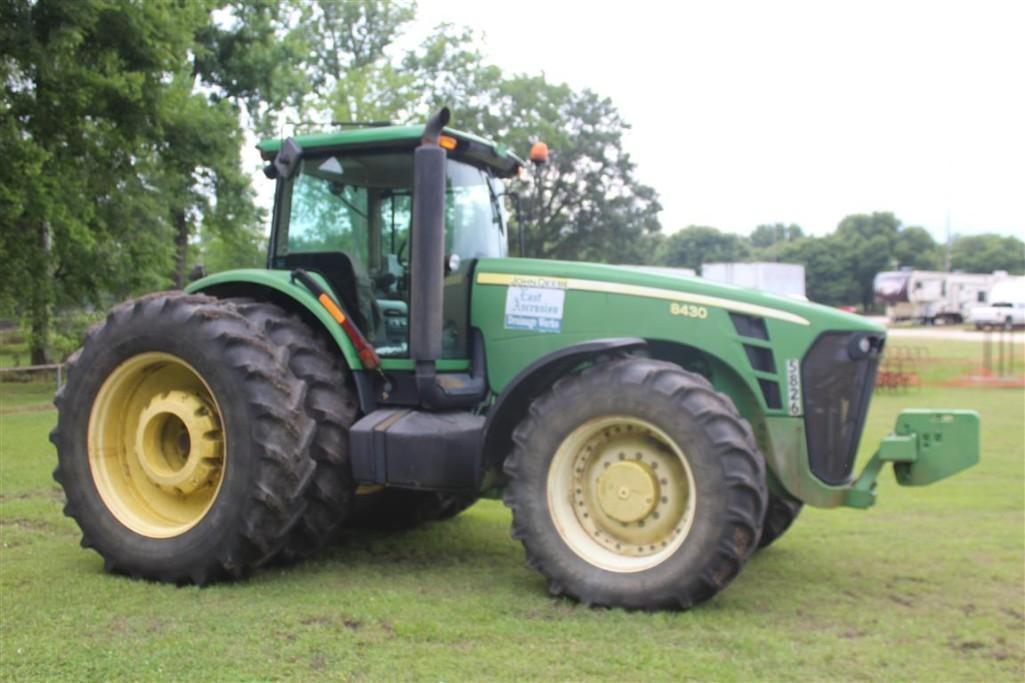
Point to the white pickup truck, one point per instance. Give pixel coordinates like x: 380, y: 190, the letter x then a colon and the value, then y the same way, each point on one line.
x: 1006, y: 307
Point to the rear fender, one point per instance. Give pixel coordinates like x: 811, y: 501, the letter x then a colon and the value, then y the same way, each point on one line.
x: 276, y: 287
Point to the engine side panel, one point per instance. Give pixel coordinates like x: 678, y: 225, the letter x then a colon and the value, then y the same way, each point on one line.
x: 749, y: 345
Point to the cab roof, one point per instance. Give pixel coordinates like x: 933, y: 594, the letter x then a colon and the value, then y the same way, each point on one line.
x: 468, y: 146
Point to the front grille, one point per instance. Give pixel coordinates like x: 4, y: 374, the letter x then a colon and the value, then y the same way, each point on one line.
x: 839, y: 373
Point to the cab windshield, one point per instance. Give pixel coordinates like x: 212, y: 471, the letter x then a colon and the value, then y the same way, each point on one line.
x: 362, y: 205
x: 358, y: 207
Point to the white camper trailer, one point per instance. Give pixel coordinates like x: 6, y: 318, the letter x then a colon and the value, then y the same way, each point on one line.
x: 785, y: 279
x: 932, y: 297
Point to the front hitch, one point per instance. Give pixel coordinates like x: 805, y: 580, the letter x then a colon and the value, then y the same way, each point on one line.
x: 926, y: 446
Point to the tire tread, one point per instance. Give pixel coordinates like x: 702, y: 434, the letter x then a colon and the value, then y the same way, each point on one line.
x: 735, y: 446
x: 283, y: 470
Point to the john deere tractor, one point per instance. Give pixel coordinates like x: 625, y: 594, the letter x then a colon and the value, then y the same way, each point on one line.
x: 392, y: 364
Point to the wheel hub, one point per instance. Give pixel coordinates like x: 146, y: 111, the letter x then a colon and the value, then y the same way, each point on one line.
x: 629, y: 496
x: 178, y: 442
x: 157, y: 446
x: 628, y: 491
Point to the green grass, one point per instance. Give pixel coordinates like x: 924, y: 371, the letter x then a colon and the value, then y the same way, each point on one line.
x: 16, y: 394
x: 938, y: 361
x: 928, y: 585
x: 12, y: 354
x: 26, y: 396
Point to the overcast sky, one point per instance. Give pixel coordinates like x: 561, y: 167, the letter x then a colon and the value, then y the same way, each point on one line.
x: 757, y: 112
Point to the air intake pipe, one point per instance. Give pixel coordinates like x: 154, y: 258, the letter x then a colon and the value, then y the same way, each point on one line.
x: 427, y: 273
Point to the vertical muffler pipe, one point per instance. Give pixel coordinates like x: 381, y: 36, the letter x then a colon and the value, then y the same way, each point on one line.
x: 427, y: 257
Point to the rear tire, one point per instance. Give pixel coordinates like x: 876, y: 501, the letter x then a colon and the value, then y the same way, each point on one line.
x: 779, y: 515
x: 171, y: 384
x: 634, y: 484
x: 332, y: 404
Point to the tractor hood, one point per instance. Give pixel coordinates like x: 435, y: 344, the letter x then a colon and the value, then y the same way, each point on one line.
x: 647, y: 283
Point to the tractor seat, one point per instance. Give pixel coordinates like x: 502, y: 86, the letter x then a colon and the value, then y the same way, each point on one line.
x: 347, y: 278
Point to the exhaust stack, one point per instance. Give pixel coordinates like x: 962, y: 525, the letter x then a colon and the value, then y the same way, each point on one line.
x: 427, y: 274
x: 427, y: 257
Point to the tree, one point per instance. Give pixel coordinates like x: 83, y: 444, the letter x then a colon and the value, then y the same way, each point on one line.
x: 349, y: 75
x: 827, y: 270
x: 82, y: 82
x: 988, y: 252
x: 866, y: 241
x: 768, y: 240
x: 251, y: 56
x: 696, y: 245
x: 120, y: 157
x: 915, y: 248
x: 202, y: 179
x: 586, y: 203
x: 591, y: 205
x: 769, y: 235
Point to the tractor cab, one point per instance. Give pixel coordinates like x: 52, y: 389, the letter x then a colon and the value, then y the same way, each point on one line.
x: 344, y: 210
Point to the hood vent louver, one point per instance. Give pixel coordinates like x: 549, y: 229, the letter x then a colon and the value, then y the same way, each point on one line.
x: 770, y: 391
x: 761, y: 358
x: 749, y: 326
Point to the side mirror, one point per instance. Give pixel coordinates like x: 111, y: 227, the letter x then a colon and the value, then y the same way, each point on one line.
x: 287, y: 160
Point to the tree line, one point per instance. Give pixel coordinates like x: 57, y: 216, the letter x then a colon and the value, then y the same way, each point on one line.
x: 122, y: 127
x: 841, y: 266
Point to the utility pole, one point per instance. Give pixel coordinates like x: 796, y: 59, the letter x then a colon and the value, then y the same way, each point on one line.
x: 946, y: 265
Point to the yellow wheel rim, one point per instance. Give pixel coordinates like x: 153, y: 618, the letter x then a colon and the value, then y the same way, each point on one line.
x: 156, y: 445
x: 621, y: 493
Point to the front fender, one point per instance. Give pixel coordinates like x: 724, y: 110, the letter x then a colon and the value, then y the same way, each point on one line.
x: 533, y: 380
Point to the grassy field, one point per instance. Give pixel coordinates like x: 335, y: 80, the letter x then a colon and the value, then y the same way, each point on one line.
x: 928, y: 585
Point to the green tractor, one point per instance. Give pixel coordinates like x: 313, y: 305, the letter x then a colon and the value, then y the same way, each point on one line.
x: 392, y: 364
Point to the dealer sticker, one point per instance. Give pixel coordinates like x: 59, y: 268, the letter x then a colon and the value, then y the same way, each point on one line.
x: 794, y: 402
x: 537, y: 308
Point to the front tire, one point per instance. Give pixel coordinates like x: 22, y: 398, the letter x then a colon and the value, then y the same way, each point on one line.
x: 634, y: 484
x: 181, y: 441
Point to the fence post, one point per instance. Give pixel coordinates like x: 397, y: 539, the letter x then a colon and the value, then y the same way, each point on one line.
x: 987, y: 352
